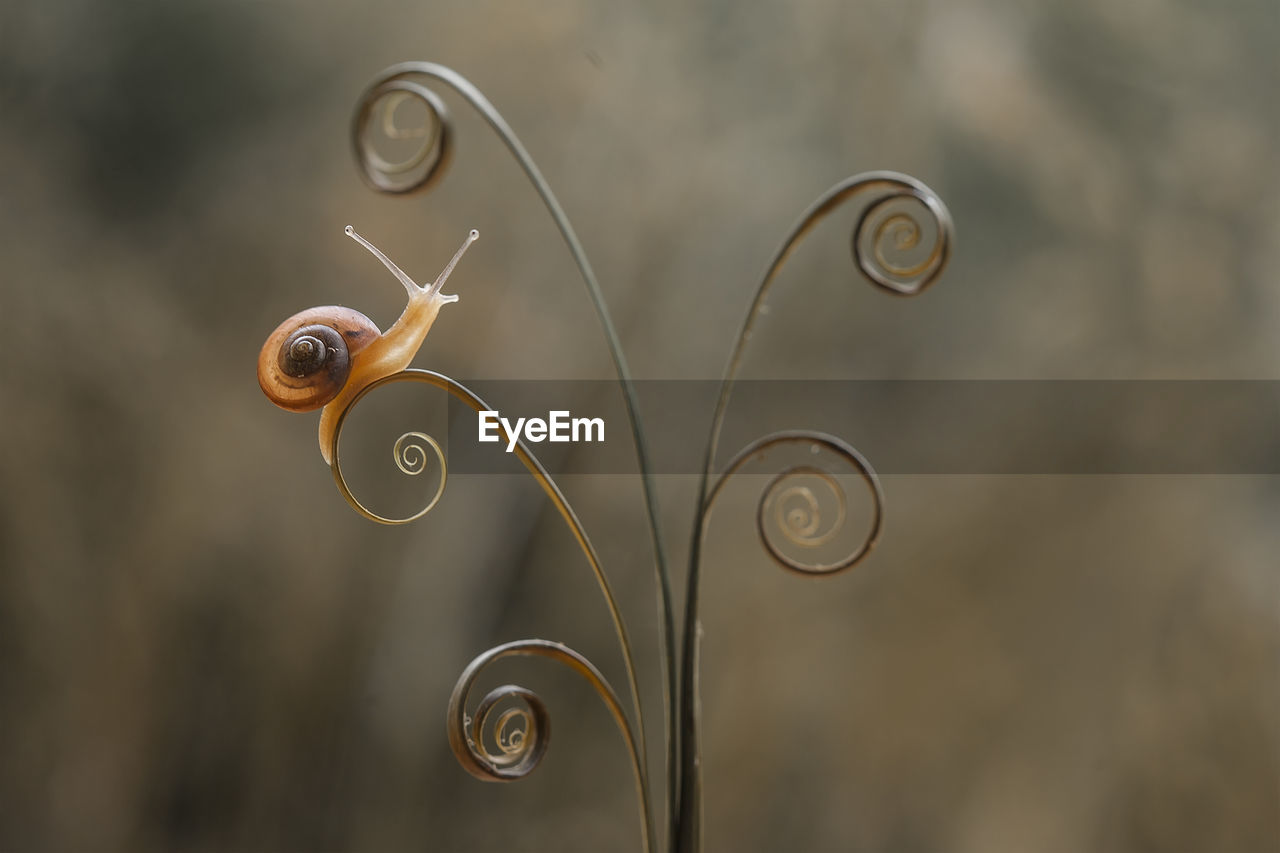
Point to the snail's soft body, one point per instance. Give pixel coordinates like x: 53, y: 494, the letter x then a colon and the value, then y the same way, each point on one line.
x: 323, y: 357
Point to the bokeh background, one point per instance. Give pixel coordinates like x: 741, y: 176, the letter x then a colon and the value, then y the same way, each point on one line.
x: 203, y: 648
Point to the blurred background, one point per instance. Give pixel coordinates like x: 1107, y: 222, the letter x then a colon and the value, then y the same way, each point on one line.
x: 203, y: 648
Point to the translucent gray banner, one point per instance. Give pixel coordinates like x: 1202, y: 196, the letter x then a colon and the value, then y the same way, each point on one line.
x: 903, y: 427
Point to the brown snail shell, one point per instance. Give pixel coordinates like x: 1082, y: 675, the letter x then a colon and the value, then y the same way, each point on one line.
x: 307, y: 359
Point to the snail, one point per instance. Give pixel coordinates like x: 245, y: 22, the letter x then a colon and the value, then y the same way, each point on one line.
x: 323, y: 357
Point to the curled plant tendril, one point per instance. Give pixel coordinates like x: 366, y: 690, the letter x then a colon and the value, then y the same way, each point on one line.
x: 798, y: 511
x: 409, y: 453
x: 519, y: 749
x: 906, y: 235
x: 393, y: 131
x: 411, y: 456
x: 885, y: 236
x: 521, y: 734
x: 510, y: 742
x: 886, y: 239
x: 378, y: 109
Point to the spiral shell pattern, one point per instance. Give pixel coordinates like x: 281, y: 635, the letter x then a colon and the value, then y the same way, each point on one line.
x: 307, y: 359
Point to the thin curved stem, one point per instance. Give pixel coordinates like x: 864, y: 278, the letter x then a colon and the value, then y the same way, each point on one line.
x: 481, y: 104
x: 688, y: 829
x: 552, y: 490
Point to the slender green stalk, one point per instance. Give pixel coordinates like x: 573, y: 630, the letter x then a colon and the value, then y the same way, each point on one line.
x: 394, y: 79
x: 907, y: 281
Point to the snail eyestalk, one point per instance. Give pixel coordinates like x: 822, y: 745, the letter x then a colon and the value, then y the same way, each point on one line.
x: 409, y: 283
x: 444, y: 275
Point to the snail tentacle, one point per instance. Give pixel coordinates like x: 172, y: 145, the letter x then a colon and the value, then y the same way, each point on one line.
x: 473, y: 236
x: 410, y: 285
